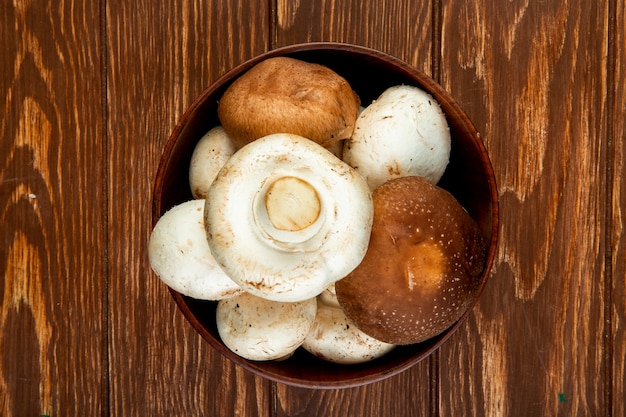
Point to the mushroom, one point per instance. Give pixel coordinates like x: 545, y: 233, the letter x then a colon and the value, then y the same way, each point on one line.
x: 423, y: 265
x: 209, y: 155
x: 285, y: 218
x: 180, y: 256
x: 335, y: 338
x: 403, y: 133
x: 337, y: 149
x: 329, y: 297
x: 261, y: 330
x: 287, y: 95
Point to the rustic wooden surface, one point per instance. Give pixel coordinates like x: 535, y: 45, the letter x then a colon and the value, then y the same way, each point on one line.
x: 89, y: 92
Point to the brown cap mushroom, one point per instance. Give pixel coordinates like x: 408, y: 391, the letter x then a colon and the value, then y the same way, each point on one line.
x: 287, y: 95
x: 422, y: 268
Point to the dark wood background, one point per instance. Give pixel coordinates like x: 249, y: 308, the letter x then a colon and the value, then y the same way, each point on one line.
x: 89, y: 93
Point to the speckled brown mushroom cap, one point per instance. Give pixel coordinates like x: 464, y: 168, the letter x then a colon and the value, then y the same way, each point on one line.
x: 422, y: 268
x: 287, y: 95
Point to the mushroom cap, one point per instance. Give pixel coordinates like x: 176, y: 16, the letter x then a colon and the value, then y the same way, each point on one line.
x: 180, y: 256
x: 285, y: 218
x: 259, y: 329
x: 334, y: 338
x: 422, y: 268
x: 403, y: 133
x: 209, y: 155
x: 289, y: 95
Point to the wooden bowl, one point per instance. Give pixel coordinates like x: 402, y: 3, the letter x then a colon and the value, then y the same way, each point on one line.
x: 469, y: 177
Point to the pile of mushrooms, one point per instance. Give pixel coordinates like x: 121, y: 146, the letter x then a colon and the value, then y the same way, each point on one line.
x: 317, y: 224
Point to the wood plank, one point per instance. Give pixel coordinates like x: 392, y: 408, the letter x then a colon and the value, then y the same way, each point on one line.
x: 404, y: 30
x: 76, y: 288
x: 407, y: 394
x: 618, y: 226
x: 397, y: 27
x: 532, y: 76
x: 161, y: 56
x: 51, y: 210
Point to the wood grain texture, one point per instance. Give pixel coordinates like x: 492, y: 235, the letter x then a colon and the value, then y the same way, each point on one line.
x: 402, y: 29
x: 160, y: 56
x: 533, y: 78
x: 89, y: 94
x: 617, y: 308
x: 405, y: 395
x: 51, y: 210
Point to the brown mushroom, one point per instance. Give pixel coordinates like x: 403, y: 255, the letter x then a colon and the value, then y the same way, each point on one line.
x: 422, y: 268
x: 287, y: 95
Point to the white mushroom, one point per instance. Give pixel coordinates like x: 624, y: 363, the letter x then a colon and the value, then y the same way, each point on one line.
x: 210, y: 154
x: 403, y: 133
x: 335, y: 338
x: 180, y: 256
x: 259, y: 329
x: 285, y: 218
x: 337, y: 148
x: 329, y: 297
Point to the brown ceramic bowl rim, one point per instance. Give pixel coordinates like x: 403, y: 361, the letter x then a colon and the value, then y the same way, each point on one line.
x: 360, y: 377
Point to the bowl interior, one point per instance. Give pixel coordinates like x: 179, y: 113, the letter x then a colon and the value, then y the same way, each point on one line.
x: 469, y: 177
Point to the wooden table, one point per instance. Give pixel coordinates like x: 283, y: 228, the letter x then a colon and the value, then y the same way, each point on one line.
x: 89, y: 93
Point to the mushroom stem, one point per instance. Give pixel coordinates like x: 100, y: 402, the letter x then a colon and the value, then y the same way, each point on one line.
x: 289, y: 213
x: 292, y: 204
